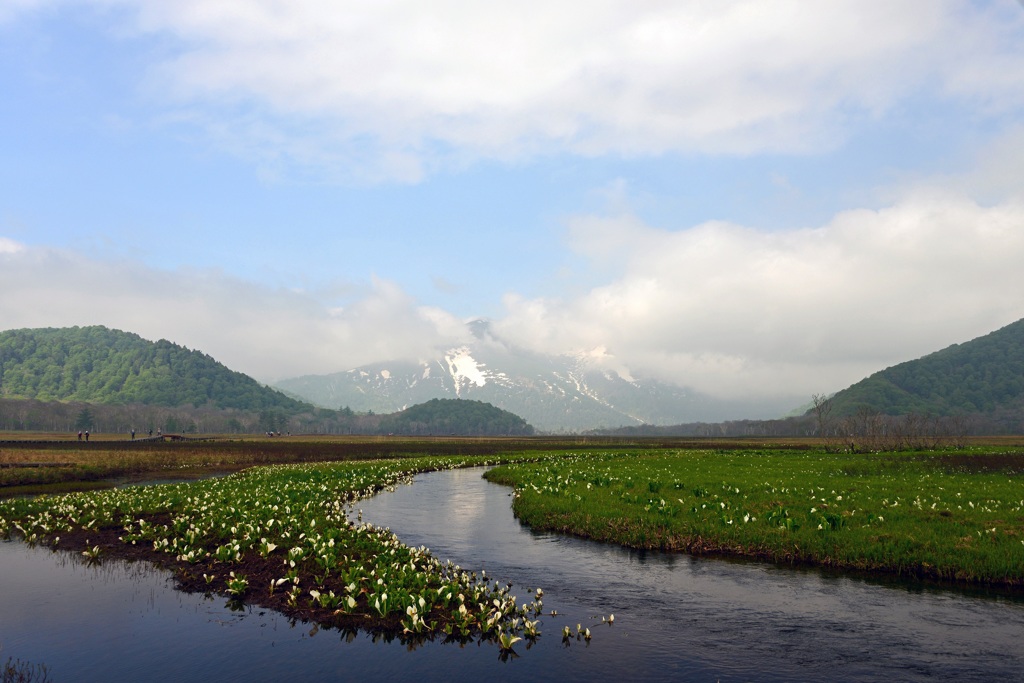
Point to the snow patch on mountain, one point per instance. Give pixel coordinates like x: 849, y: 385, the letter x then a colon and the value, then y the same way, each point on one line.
x: 599, y: 358
x: 556, y: 393
x: 464, y: 369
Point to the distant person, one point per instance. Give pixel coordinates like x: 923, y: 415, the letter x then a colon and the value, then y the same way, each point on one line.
x: 79, y: 434
x: 151, y: 432
x: 86, y: 434
x: 133, y: 435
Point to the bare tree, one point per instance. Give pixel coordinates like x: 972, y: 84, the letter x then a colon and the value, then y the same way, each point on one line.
x: 824, y: 423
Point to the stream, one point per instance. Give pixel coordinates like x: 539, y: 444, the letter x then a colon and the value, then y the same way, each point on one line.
x: 676, y: 617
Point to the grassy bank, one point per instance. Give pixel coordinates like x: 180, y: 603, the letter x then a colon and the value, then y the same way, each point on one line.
x: 955, y: 516
x: 282, y: 536
x: 943, y: 515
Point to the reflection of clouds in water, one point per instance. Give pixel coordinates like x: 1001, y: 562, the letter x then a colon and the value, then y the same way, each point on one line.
x: 464, y: 511
x: 676, y: 617
x: 672, y: 609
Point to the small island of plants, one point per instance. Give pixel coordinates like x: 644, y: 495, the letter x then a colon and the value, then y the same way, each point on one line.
x: 283, y: 536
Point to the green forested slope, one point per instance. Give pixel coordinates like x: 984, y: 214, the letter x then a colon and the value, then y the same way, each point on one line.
x: 100, y: 365
x: 455, y: 416
x: 984, y: 375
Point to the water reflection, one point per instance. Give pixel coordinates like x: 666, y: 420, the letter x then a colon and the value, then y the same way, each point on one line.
x: 737, y: 620
x: 676, y: 617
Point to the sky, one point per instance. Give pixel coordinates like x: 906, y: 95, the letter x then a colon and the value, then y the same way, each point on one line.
x: 747, y: 198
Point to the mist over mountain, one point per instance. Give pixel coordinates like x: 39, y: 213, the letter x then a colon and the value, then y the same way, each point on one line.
x: 95, y: 378
x: 982, y: 378
x: 554, y: 393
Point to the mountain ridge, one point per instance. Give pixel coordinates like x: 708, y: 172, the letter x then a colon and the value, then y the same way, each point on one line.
x: 983, y: 375
x: 554, y: 393
x: 95, y: 364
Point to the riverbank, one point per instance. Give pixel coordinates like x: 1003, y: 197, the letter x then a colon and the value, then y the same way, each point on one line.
x: 281, y: 537
x: 946, y: 516
x: 952, y: 516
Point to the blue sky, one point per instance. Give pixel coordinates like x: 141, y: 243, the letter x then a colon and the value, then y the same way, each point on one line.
x: 766, y: 198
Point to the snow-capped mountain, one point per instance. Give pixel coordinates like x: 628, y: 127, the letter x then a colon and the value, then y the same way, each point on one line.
x: 553, y: 393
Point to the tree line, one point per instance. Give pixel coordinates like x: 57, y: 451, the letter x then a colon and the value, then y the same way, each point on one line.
x: 866, y: 430
x: 452, y: 417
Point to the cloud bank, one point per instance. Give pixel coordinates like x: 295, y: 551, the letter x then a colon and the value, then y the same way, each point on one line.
x: 268, y: 333
x: 734, y: 311
x: 393, y: 90
x: 725, y: 309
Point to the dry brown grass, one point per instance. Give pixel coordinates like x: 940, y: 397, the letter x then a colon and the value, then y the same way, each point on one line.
x: 40, y: 458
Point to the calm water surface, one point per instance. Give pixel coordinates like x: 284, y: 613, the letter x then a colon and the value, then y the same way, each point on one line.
x: 676, y: 618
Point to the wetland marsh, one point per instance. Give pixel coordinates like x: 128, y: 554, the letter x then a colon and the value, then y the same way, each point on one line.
x: 955, y: 517
x: 291, y: 540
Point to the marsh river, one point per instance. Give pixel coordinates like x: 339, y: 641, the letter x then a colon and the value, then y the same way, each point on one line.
x: 677, y: 618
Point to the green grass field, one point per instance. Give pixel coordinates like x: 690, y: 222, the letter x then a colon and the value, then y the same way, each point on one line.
x: 946, y: 515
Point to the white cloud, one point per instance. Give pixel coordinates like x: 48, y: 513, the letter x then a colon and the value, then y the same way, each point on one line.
x: 735, y: 311
x: 10, y: 9
x: 997, y: 171
x: 727, y: 309
x: 390, y: 89
x: 9, y: 246
x: 267, y: 333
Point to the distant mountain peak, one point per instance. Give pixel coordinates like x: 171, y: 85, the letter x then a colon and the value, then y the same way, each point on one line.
x: 480, y: 328
x: 555, y: 393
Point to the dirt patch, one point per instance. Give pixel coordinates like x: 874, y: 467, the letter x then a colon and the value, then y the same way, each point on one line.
x: 966, y: 463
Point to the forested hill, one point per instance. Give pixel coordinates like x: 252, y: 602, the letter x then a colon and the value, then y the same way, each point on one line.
x: 455, y: 416
x: 100, y: 365
x: 985, y: 375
